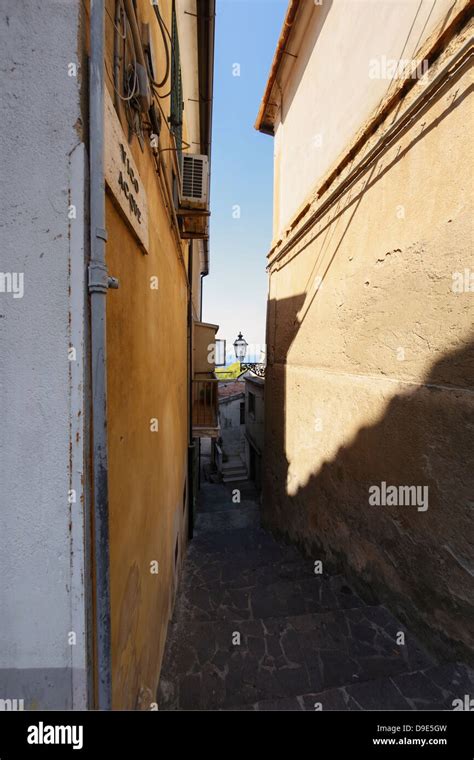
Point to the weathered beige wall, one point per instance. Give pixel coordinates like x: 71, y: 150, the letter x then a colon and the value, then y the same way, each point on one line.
x: 146, y: 345
x: 197, y: 247
x: 204, y: 348
x: 370, y: 374
x: 326, y: 90
x: 147, y: 358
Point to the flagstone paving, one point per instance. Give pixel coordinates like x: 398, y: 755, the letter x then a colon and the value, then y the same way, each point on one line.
x: 254, y: 628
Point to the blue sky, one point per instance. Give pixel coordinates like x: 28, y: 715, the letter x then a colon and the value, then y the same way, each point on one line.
x: 235, y: 292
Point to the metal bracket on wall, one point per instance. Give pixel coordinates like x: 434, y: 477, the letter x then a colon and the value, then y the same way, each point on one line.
x: 257, y: 368
x: 99, y: 280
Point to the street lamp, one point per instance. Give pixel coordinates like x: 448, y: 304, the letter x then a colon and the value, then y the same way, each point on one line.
x: 240, y: 347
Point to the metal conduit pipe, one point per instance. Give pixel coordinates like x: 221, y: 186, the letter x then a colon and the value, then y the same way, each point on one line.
x: 137, y: 40
x: 98, y: 285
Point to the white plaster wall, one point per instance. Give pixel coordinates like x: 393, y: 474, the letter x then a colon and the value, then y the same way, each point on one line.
x: 42, y: 392
x: 232, y: 432
x: 327, y: 93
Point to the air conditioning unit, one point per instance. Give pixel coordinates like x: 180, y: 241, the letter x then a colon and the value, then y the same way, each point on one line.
x: 194, y: 181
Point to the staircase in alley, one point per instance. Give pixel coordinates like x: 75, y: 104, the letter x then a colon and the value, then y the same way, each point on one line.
x: 255, y: 628
x: 234, y: 470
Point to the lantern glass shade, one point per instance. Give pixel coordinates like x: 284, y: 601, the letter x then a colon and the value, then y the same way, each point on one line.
x: 240, y: 347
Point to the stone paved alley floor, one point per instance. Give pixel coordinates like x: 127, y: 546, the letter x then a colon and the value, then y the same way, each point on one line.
x: 306, y: 641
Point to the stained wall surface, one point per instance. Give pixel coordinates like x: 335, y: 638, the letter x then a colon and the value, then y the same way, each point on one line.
x: 370, y: 365
x: 147, y: 355
x: 43, y: 475
x: 347, y: 55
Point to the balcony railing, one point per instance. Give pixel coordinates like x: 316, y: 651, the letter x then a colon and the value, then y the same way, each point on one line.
x: 205, y: 417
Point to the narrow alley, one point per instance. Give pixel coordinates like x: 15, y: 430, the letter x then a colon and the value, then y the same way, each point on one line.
x: 237, y: 369
x: 254, y: 628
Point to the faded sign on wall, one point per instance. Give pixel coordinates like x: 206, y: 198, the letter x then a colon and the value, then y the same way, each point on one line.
x: 122, y: 177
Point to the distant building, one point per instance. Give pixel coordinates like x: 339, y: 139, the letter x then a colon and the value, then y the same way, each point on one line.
x: 229, y: 451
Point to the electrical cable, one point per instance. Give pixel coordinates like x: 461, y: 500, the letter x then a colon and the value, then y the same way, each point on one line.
x: 131, y: 86
x: 168, y: 53
x: 165, y: 118
x: 184, y: 146
x: 123, y: 36
x: 122, y: 97
x: 130, y: 114
x: 157, y: 94
x: 130, y: 95
x: 161, y: 20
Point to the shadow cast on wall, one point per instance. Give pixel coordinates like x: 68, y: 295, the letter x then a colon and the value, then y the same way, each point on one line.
x: 417, y: 562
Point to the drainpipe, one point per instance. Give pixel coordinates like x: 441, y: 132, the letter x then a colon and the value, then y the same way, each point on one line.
x: 137, y: 42
x: 201, y: 278
x: 191, y: 444
x: 206, y: 14
x: 98, y: 284
x: 117, y: 38
x: 200, y: 299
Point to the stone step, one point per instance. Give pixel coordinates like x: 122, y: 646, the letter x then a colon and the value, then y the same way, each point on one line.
x: 436, y: 688
x: 234, y: 467
x: 233, y: 464
x: 218, y: 601
x: 235, y: 477
x: 213, y: 665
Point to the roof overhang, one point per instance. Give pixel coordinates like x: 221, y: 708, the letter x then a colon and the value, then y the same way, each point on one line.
x: 206, y: 13
x: 267, y: 110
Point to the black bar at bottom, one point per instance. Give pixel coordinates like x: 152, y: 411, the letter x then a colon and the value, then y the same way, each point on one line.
x: 317, y: 734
